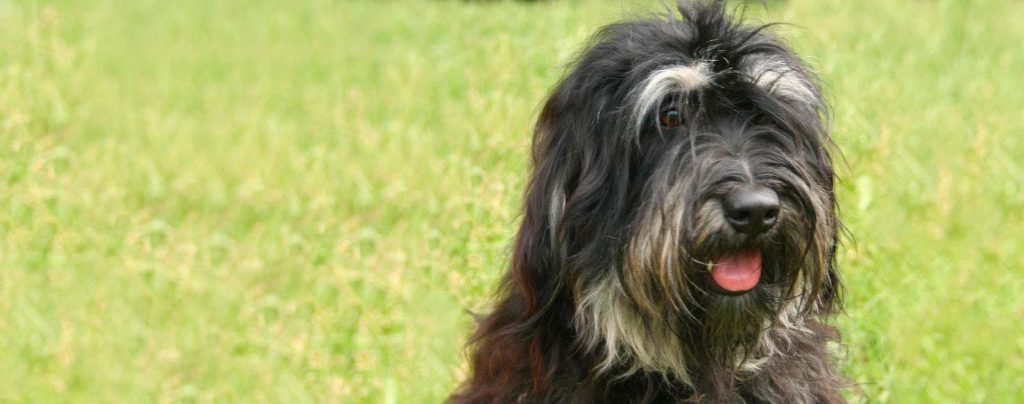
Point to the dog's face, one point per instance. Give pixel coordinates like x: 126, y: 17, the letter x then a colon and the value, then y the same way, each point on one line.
x: 684, y: 188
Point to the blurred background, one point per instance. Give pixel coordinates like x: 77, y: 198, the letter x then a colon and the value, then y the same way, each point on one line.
x: 300, y: 201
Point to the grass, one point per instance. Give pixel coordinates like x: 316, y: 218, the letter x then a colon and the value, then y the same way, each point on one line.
x: 247, y: 201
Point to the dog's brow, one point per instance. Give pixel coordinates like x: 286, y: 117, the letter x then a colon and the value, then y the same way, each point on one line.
x: 683, y: 77
x: 776, y: 76
x: 678, y: 78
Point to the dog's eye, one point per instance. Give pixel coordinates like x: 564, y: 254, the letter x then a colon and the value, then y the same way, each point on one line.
x: 671, y: 117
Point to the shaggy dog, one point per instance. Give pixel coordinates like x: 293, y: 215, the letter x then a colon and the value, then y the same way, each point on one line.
x: 680, y: 228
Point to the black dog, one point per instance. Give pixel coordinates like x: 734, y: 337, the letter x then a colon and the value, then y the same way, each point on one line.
x: 680, y: 228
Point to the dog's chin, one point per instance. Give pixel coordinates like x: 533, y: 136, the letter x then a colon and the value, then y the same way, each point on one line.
x: 732, y: 323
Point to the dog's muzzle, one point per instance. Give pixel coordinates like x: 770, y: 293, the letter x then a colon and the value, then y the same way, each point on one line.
x: 750, y: 210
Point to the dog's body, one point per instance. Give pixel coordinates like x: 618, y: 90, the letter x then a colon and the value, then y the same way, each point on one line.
x: 680, y: 228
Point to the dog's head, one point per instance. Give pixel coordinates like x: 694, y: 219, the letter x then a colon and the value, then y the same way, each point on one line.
x: 682, y: 194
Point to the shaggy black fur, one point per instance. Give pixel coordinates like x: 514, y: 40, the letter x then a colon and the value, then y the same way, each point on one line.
x: 609, y: 298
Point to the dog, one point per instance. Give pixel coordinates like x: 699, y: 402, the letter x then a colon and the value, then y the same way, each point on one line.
x: 680, y: 227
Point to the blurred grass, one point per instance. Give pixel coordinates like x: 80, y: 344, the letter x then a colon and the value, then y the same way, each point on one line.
x: 252, y: 201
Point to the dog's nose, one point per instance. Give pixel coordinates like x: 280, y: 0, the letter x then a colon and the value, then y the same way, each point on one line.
x: 751, y: 209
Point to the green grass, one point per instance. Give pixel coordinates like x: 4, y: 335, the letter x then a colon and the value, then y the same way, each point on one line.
x: 250, y: 201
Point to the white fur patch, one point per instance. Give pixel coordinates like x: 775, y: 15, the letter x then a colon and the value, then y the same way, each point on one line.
x: 777, y: 77
x: 605, y: 318
x: 665, y: 81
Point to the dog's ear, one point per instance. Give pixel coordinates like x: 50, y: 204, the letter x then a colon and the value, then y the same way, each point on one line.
x: 515, y: 346
x: 580, y: 173
x: 537, y: 252
x: 574, y: 200
x: 506, y: 349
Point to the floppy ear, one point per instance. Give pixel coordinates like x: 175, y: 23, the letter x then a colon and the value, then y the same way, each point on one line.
x: 508, y: 350
x: 569, y: 185
x: 574, y: 194
x: 581, y: 157
x: 518, y: 346
x: 537, y: 253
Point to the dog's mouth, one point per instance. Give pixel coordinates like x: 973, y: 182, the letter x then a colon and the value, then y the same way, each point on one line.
x: 737, y: 272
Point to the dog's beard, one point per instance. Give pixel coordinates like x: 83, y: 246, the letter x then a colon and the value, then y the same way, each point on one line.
x: 728, y: 328
x: 660, y: 311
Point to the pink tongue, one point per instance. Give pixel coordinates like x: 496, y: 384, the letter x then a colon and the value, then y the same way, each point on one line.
x: 738, y: 272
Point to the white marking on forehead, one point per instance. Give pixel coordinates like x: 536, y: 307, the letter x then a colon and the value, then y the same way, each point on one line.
x: 777, y: 77
x: 665, y: 81
x: 682, y: 77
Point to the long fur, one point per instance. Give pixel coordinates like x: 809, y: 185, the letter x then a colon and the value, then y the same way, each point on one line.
x: 607, y: 297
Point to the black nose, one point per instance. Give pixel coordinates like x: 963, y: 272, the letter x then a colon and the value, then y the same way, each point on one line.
x: 751, y: 209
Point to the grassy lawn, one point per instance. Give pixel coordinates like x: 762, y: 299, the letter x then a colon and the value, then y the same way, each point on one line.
x: 252, y: 201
